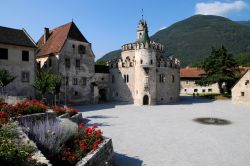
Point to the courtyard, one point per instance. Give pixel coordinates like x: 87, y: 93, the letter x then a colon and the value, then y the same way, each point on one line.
x: 169, y: 135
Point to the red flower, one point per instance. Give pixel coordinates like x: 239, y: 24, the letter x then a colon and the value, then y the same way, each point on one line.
x: 95, y: 146
x: 74, y: 158
x: 98, y: 141
x: 81, y: 124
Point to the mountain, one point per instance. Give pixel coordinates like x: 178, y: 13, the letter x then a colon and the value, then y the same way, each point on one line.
x: 191, y: 40
x: 244, y: 22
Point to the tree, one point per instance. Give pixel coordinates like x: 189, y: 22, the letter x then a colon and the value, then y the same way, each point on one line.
x: 42, y: 82
x: 101, y: 62
x: 55, y: 83
x: 220, y: 67
x: 5, y: 78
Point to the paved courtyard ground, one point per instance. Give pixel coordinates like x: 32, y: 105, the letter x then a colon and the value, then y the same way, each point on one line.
x: 166, y: 135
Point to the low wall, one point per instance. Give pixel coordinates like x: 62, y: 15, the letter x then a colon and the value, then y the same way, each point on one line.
x: 33, y: 118
x: 101, y: 157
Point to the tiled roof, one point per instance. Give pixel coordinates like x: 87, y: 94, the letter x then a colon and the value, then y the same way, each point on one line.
x: 16, y: 37
x: 57, y: 38
x: 101, y: 69
x: 191, y: 73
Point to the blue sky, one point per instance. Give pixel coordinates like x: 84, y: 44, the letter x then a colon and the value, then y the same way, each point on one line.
x: 108, y: 24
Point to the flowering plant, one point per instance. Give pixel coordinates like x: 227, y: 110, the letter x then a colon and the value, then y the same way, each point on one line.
x: 62, y: 110
x: 30, y: 107
x: 4, y: 118
x: 2, y: 104
x: 87, y: 139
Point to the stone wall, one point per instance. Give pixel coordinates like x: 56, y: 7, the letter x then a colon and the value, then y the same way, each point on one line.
x: 16, y: 67
x: 101, y: 157
x: 241, y: 91
x: 188, y: 86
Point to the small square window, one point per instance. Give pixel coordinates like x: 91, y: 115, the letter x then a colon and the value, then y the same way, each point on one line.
x: 25, y: 55
x: 78, y: 63
x: 67, y: 62
x: 195, y: 90
x: 75, y: 81
x: 185, y: 90
x: 84, y: 81
x: 210, y: 90
x: 76, y: 93
x: 242, y: 93
x: 203, y: 90
x: 247, y: 82
x: 25, y: 77
x: 3, y: 53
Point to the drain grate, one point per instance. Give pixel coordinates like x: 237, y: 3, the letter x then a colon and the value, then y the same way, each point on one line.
x: 212, y: 121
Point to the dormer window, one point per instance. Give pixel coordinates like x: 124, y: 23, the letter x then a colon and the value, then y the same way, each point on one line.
x: 81, y: 49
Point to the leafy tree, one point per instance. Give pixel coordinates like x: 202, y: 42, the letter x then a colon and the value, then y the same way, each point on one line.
x: 42, y: 82
x: 55, y: 83
x: 101, y: 62
x: 5, y: 78
x: 220, y: 67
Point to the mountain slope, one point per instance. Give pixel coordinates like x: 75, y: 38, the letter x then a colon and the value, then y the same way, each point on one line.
x: 191, y: 40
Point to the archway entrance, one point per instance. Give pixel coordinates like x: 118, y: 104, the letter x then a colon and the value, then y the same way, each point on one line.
x: 102, y: 93
x: 145, y: 100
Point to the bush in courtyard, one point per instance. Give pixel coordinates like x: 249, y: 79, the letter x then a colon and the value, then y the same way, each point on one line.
x: 86, y: 140
x: 11, y: 152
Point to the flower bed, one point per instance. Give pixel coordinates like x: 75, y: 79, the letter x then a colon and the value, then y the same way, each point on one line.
x: 60, y: 140
x: 23, y: 108
x: 62, y: 110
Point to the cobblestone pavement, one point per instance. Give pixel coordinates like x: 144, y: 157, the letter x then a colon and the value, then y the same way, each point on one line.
x: 167, y: 135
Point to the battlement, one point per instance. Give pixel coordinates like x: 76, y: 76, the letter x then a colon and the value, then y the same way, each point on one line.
x: 161, y: 62
x: 135, y: 46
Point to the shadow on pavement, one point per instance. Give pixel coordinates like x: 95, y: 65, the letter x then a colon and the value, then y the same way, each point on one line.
x: 96, y: 107
x: 124, y: 160
x: 186, y: 100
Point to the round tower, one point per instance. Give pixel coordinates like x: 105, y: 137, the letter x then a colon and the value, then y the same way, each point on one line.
x: 145, y: 68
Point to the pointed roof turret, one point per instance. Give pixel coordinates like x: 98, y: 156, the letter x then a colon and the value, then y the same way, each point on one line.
x: 142, y: 32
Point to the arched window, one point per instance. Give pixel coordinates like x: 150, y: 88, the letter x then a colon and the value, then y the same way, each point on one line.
x: 151, y: 61
x: 81, y: 49
x: 141, y: 61
x: 124, y: 78
x: 127, y: 78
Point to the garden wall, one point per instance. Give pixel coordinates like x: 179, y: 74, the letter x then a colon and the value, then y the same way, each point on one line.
x: 101, y: 157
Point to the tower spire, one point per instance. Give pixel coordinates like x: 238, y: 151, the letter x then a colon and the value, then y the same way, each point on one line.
x: 142, y: 13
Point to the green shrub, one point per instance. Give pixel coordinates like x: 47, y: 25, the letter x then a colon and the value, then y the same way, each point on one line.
x: 11, y: 152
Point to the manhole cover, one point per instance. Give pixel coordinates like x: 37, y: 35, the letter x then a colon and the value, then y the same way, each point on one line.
x: 212, y: 121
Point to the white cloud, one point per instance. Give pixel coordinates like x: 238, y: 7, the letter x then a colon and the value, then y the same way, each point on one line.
x: 219, y: 8
x: 164, y: 27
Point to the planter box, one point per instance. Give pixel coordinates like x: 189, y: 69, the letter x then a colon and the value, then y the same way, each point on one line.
x: 77, y: 118
x: 33, y: 118
x: 101, y: 157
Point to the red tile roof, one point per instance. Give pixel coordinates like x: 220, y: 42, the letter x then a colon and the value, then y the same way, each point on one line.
x: 57, y: 38
x: 198, y: 73
x: 191, y: 73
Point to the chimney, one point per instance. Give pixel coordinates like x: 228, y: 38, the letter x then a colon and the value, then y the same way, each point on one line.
x: 46, y: 34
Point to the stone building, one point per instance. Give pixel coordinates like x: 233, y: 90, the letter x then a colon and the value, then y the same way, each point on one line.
x: 17, y: 55
x: 66, y: 51
x: 143, y: 75
x: 241, y: 90
x: 188, y: 78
